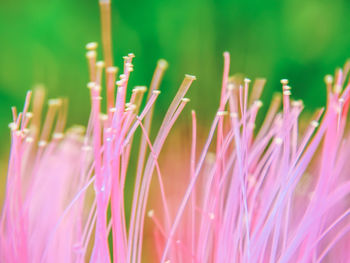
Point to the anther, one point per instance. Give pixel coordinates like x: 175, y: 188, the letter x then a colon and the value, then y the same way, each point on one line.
x: 211, y: 216
x: 278, y: 140
x: 150, y: 213
x: 314, y: 123
x: 162, y: 63
x: 247, y: 80
x: 91, y: 46
x: 221, y: 113
x: 190, y: 77
x: 284, y: 81
x: 328, y: 79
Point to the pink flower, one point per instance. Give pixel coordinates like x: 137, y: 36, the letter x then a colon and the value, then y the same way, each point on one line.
x: 274, y: 193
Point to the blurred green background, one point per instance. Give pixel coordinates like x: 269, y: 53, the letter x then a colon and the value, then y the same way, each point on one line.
x: 42, y: 41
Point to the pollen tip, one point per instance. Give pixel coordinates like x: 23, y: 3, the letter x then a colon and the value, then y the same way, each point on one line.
x: 328, y: 79
x: 211, y: 216
x: 247, y: 80
x: 284, y: 81
x: 234, y: 115
x: 55, y: 102
x: 58, y: 135
x: 230, y: 86
x: 221, y: 113
x: 258, y: 103
x: 150, y: 213
x: 315, y: 123
x: 100, y: 64
x: 29, y: 139
x: 287, y: 92
x: 140, y: 88
x: 12, y: 126
x: 91, y: 46
x: 112, y: 70
x: 278, y: 140
x: 42, y: 143
x: 91, y: 85
x: 91, y: 54
x: 162, y: 63
x: 191, y: 77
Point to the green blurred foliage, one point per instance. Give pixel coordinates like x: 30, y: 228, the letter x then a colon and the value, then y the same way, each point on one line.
x: 42, y: 41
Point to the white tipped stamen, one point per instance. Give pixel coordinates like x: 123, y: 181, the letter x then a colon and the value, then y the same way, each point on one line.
x: 100, y: 64
x: 162, y: 63
x: 139, y: 89
x: 91, y: 54
x: 234, y: 115
x: 13, y: 126
x: 287, y: 92
x: 247, y: 80
x: 91, y: 46
x: 315, y: 123
x: 42, y: 143
x: 222, y: 113
x: 86, y: 148
x: 278, y: 140
x: 55, y: 102
x: 29, y: 139
x: 328, y: 79
x: 57, y: 135
x: 112, y: 70
x: 150, y: 213
x: 230, y: 86
x: 29, y: 114
x: 284, y: 81
x: 211, y: 216
x: 190, y: 77
x: 258, y: 103
x: 91, y: 85
x: 103, y: 117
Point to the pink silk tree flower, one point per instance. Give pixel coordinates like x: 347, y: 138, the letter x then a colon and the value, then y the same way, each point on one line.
x: 277, y: 192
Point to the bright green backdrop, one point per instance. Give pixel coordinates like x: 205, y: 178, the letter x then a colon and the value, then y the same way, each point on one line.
x: 42, y: 41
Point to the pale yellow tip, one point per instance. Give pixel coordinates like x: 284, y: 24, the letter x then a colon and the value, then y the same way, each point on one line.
x: 258, y: 103
x: 100, y: 64
x: 112, y: 70
x: 314, y: 123
x: 162, y: 63
x: 284, y: 81
x: 190, y: 77
x: 91, y: 46
x: 91, y: 85
x: 55, y: 102
x: 91, y: 54
x: 140, y: 89
x: 328, y: 79
x: 221, y: 113
x: 150, y: 213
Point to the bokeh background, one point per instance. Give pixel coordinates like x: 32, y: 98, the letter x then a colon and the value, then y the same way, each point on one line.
x: 42, y: 42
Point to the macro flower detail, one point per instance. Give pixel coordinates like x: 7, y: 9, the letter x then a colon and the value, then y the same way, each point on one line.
x: 271, y: 192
